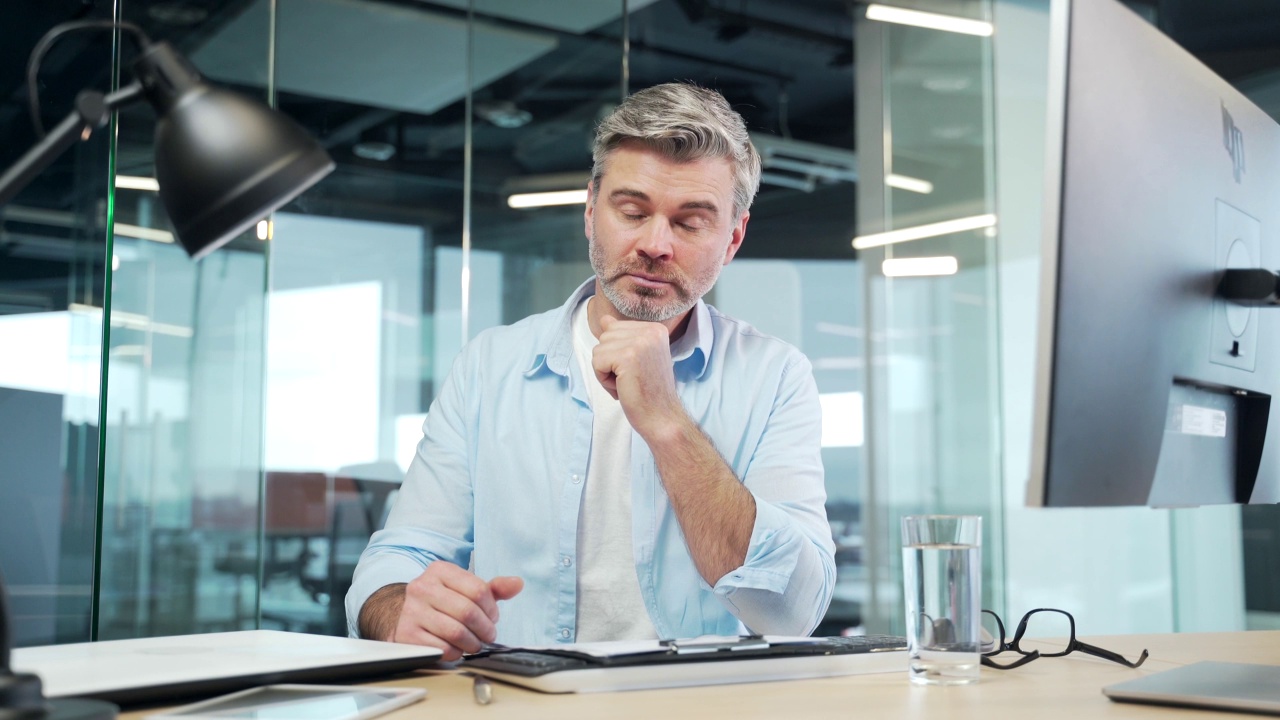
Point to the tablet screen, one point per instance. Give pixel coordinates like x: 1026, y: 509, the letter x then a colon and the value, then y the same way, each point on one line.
x: 298, y: 702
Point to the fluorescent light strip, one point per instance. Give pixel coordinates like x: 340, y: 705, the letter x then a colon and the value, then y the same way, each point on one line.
x: 932, y: 21
x: 919, y: 232
x: 545, y: 199
x: 143, y: 233
x: 903, y: 182
x: 919, y: 266
x: 133, y: 182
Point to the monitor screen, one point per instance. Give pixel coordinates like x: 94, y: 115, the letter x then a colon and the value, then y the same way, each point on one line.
x: 1151, y: 389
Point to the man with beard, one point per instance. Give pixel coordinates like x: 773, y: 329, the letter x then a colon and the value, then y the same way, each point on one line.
x: 634, y: 464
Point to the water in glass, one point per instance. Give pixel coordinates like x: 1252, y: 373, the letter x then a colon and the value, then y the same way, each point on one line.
x: 943, y: 587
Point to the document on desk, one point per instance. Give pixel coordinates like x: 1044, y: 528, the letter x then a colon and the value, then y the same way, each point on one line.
x: 707, y: 660
x: 704, y: 643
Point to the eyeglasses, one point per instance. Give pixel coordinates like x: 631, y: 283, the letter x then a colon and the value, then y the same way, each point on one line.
x: 1044, y: 623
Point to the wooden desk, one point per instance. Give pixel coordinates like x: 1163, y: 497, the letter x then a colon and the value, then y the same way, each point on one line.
x: 1069, y: 688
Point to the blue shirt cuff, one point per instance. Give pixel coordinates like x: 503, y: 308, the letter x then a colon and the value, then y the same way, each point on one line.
x: 772, y: 555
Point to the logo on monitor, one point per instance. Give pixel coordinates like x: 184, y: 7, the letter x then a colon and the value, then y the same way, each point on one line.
x: 1233, y: 141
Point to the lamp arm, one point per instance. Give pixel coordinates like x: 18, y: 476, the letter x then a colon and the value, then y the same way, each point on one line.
x: 92, y: 110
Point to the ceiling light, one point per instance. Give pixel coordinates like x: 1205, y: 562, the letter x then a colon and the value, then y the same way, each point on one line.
x: 143, y: 233
x: 919, y: 232
x: 932, y: 21
x: 503, y: 113
x: 545, y: 199
x: 903, y: 182
x: 947, y: 84
x: 374, y: 150
x: 178, y: 14
x: 133, y: 182
x: 919, y: 266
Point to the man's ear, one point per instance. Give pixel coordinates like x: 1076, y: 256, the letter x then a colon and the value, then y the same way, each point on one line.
x: 735, y: 239
x: 590, y: 210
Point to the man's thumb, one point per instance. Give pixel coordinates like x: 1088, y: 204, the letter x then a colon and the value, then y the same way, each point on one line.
x: 505, y: 587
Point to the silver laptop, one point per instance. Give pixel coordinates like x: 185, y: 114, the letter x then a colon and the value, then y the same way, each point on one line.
x: 170, y: 668
x: 1217, y: 685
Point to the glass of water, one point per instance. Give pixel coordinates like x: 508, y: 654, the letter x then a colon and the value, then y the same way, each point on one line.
x: 942, y: 582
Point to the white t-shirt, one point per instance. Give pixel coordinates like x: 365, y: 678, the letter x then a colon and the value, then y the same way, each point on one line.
x: 609, y: 603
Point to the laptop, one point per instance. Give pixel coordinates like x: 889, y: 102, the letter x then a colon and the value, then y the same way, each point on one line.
x: 165, y: 669
x: 1216, y: 685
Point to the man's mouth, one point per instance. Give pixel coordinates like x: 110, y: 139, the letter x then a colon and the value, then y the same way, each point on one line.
x: 646, y: 280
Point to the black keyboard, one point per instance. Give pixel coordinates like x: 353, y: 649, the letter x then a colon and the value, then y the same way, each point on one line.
x: 533, y: 664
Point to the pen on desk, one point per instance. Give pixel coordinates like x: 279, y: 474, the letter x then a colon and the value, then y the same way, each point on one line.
x: 483, y: 690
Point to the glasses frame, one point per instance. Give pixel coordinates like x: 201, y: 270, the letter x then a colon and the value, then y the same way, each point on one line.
x: 1073, y: 644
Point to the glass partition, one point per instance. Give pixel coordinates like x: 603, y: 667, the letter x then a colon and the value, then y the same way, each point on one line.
x: 55, y: 266
x: 925, y: 136
x: 183, y: 413
x: 261, y: 405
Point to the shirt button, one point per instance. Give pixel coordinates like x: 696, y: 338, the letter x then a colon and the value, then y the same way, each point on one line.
x: 566, y: 560
x: 577, y: 479
x: 564, y: 633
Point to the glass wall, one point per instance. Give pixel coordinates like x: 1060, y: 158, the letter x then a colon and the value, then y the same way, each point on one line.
x: 927, y: 153
x: 54, y: 275
x: 182, y: 422
x: 262, y: 404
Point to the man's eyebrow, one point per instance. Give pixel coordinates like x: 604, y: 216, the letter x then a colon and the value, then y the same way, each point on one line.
x: 629, y: 193
x: 701, y: 205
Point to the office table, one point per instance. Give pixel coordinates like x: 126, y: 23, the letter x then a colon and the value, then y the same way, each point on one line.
x: 1069, y: 688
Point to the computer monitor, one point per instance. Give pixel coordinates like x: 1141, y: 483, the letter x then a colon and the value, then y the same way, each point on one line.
x: 1151, y: 388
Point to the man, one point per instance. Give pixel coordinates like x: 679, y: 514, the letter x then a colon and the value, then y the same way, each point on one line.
x: 633, y: 464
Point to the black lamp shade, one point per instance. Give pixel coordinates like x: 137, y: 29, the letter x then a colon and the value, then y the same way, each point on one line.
x: 223, y: 161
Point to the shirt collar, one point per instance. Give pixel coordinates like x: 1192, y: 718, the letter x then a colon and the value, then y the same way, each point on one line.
x: 689, y: 353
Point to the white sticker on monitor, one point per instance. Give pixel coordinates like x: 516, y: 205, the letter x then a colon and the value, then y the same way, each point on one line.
x: 1207, y: 422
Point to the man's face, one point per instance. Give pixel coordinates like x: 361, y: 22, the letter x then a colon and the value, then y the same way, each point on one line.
x: 660, y: 231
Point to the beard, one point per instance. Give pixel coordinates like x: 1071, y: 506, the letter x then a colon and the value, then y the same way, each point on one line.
x: 645, y: 303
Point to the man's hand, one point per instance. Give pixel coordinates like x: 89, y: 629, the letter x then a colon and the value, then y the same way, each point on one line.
x: 445, y: 607
x: 633, y: 363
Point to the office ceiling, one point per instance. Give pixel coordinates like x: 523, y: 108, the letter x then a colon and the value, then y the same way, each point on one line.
x: 374, y: 78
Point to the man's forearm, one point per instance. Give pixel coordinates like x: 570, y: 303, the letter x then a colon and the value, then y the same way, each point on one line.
x: 381, y: 612
x: 715, y: 511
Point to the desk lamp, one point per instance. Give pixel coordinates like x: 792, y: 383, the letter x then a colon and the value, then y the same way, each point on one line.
x: 223, y: 162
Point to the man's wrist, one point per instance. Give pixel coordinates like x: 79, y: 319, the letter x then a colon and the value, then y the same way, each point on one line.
x: 671, y: 429
x: 381, y: 613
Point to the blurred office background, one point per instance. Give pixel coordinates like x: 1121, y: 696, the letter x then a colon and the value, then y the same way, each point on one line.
x: 194, y: 447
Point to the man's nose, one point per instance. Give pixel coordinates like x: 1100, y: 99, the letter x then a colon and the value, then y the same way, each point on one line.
x: 656, y: 240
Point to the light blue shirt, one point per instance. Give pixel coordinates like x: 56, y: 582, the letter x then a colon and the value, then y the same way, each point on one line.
x: 497, y: 483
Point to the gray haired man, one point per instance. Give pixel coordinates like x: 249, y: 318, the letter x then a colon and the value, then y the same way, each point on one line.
x: 634, y: 464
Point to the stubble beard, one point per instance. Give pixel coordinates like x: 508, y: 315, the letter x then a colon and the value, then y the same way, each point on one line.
x: 644, y: 303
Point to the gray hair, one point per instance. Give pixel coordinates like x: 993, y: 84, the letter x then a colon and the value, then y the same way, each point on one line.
x: 684, y: 123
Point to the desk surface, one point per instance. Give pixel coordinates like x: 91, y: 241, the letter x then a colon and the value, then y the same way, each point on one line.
x: 1069, y: 688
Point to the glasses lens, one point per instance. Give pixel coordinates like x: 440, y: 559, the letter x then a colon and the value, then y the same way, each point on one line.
x: 1051, y: 631
x: 990, y: 636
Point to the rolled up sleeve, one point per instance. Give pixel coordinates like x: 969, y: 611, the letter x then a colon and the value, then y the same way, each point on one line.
x: 785, y: 584
x: 432, y: 518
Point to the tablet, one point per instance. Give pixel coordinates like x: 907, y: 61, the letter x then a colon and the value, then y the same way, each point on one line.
x: 298, y: 702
